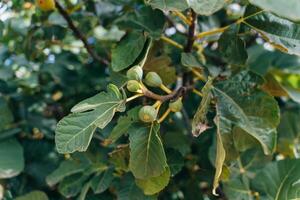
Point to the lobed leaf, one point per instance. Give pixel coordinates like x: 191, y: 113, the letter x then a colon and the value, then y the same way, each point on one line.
x: 241, y: 104
x: 74, y: 132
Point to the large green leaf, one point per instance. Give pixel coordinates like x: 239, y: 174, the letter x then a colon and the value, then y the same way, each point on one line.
x: 66, y: 168
x: 206, y: 7
x: 261, y: 60
x: 284, y: 34
x: 154, y: 185
x: 34, y: 195
x: 127, y: 51
x: 232, y: 47
x: 139, y: 20
x: 200, y: 122
x: 288, y: 9
x: 74, y: 132
x: 11, y: 158
x: 241, y: 104
x: 147, y: 156
x: 167, y: 5
x: 279, y: 180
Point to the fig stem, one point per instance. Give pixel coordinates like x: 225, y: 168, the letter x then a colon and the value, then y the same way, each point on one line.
x: 165, y: 88
x: 163, y: 117
x: 171, y: 42
x: 182, y: 17
x: 197, y: 92
x: 157, y: 104
x: 134, y: 97
x: 198, y: 75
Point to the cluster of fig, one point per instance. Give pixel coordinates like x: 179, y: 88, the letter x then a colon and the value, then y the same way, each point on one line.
x: 135, y: 84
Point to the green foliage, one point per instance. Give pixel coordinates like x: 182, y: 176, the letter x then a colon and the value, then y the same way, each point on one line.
x: 153, y: 99
x: 12, y: 162
x: 74, y: 132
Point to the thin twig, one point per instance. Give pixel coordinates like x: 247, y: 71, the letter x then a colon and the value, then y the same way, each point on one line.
x: 79, y: 35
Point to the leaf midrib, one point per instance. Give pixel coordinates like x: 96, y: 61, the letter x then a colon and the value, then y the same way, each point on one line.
x: 148, y: 148
x: 94, y: 106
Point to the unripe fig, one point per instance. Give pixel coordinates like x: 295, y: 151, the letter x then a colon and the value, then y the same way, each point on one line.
x: 147, y: 114
x: 175, y: 106
x: 46, y: 5
x: 153, y: 79
x: 133, y: 85
x: 135, y: 73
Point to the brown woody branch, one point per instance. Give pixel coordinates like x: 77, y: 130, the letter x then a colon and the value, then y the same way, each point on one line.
x: 174, y: 95
x: 79, y: 35
x: 191, y: 32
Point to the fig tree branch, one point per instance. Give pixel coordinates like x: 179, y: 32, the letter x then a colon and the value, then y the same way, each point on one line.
x: 191, y: 32
x: 174, y: 95
x: 79, y: 35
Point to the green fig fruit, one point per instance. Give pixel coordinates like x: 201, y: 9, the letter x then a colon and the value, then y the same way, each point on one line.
x: 135, y: 73
x: 176, y: 106
x: 147, y: 114
x: 133, y: 85
x: 153, y: 79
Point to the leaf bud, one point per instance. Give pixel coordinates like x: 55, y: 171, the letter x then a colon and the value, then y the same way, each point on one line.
x: 135, y: 73
x: 153, y: 79
x: 176, y: 106
x: 147, y: 114
x: 133, y: 85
